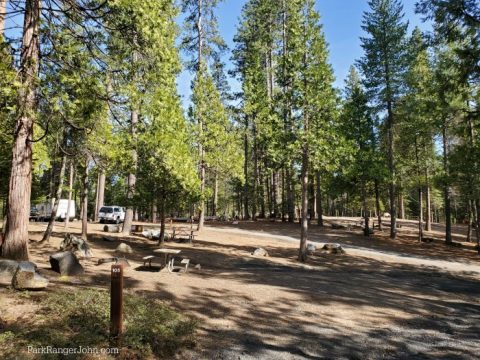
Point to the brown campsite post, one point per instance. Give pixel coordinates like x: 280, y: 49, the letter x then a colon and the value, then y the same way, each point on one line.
x: 116, y: 301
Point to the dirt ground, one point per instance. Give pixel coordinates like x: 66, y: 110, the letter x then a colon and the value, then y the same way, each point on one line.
x: 383, y: 299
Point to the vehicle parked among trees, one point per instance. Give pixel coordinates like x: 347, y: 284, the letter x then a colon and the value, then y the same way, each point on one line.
x: 115, y: 214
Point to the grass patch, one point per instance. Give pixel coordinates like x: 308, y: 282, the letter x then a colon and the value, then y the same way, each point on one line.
x: 81, y: 318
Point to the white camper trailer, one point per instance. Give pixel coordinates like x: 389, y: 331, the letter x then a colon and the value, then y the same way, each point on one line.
x: 45, y: 210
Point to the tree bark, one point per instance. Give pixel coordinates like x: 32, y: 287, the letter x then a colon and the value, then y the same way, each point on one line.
x: 318, y: 194
x: 215, y: 195
x: 70, y: 190
x: 84, y: 201
x: 161, y: 239
x: 446, y: 187
x: 58, y: 196
x: 132, y: 178
x: 377, y: 205
x: 15, y: 243
x: 100, y: 193
x: 428, y: 222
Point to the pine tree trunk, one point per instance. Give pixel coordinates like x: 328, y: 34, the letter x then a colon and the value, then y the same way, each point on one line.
x: 377, y: 205
x: 215, y: 195
x: 262, y: 193
x: 132, y: 178
x: 15, y: 242
x: 84, y: 201
x: 477, y: 228
x: 255, y: 173
x: 290, y: 195
x: 161, y: 239
x: 58, y: 196
x: 470, y: 220
x: 446, y: 188
x: 70, y: 191
x: 391, y: 168
x: 275, y: 194
x: 319, y: 199
x: 428, y: 223
x: 302, y: 253
x: 101, y: 191
x: 246, y: 188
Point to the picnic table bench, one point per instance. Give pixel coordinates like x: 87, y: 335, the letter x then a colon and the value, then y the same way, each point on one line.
x: 183, y: 233
x: 169, y: 259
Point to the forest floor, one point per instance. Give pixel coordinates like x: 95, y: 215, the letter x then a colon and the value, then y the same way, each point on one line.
x: 383, y: 299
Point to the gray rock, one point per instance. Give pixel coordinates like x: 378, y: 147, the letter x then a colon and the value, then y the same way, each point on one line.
x: 311, y: 248
x: 26, y: 278
x: 66, y: 263
x: 124, y: 249
x: 7, y: 270
x: 198, y: 267
x: 77, y: 245
x: 260, y: 252
x: 333, y: 249
x: 112, y: 228
x: 151, y: 234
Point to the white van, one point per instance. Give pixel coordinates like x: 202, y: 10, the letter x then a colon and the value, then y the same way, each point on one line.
x: 114, y: 213
x: 45, y: 210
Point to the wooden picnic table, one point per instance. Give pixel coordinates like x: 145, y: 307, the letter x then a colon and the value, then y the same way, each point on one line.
x: 168, y: 253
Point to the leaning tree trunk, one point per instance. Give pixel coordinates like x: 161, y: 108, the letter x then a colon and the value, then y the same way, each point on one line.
x: 58, y: 196
x: 15, y: 243
x: 70, y: 190
x: 85, y: 201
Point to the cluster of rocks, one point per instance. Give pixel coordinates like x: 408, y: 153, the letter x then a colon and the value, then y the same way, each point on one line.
x: 76, y: 245
x: 22, y: 275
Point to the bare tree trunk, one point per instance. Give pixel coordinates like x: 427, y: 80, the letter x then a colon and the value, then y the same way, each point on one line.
x: 215, y: 194
x: 85, y: 201
x: 302, y: 252
x: 477, y: 217
x: 58, y: 196
x: 446, y: 188
x: 101, y: 192
x: 132, y: 178
x: 70, y: 190
x: 470, y: 221
x: 377, y: 205
x: 290, y: 195
x: 391, y: 168
x: 420, y: 194
x: 318, y: 191
x: 275, y: 193
x: 161, y: 239
x: 246, y: 188
x: 15, y: 242
x: 428, y: 223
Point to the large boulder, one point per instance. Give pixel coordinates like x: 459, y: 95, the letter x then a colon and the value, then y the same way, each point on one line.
x: 260, y: 252
x: 124, y: 249
x: 333, y: 249
x: 26, y: 277
x: 7, y: 270
x: 76, y: 245
x: 311, y: 248
x: 66, y: 263
x: 112, y: 228
x: 151, y: 234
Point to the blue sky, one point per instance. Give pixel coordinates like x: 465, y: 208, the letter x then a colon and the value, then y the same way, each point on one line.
x: 341, y: 24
